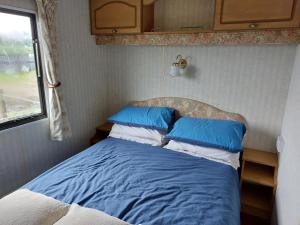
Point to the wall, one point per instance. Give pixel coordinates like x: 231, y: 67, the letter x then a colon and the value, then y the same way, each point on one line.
x: 98, y: 80
x: 176, y: 14
x: 25, y: 4
x: 250, y: 80
x: 288, y: 197
x: 26, y: 151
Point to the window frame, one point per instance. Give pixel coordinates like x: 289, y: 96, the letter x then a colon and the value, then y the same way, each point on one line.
x: 39, y: 71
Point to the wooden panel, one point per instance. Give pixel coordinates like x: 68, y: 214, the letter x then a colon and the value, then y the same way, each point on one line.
x: 256, y: 14
x: 102, y: 131
x: 258, y: 174
x: 148, y: 18
x: 108, y: 16
x: 105, y: 127
x: 257, y: 197
x: 255, y: 212
x: 148, y: 2
x: 256, y: 156
x: 247, y: 219
x: 258, y: 182
x: 256, y: 10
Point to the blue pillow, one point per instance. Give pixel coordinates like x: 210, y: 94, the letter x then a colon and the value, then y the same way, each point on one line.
x: 160, y: 118
x: 221, y: 134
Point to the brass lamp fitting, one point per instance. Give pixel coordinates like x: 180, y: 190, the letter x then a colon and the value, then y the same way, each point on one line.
x: 181, y: 62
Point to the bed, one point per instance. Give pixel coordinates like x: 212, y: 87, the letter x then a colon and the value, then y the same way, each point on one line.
x: 141, y: 184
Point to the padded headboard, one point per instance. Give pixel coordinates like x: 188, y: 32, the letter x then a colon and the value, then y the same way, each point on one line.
x: 191, y: 108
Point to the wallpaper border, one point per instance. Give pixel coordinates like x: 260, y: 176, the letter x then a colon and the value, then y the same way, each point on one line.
x: 290, y: 36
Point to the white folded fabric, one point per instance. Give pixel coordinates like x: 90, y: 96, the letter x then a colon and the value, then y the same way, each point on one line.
x: 137, y: 134
x: 213, y: 154
x: 84, y: 216
x: 24, y: 207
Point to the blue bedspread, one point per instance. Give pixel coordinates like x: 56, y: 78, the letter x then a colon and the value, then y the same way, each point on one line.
x: 145, y: 185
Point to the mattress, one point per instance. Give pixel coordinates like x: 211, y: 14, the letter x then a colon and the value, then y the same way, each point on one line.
x: 146, y: 185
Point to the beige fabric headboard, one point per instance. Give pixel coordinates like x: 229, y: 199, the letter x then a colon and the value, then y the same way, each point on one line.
x: 191, y: 108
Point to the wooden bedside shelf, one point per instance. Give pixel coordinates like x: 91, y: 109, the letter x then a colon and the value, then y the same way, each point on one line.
x: 259, y: 174
x: 260, y: 157
x: 102, y: 131
x: 258, y: 183
x: 256, y: 197
x: 106, y: 127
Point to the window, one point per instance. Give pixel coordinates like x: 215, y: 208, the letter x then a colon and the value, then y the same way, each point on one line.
x: 21, y: 84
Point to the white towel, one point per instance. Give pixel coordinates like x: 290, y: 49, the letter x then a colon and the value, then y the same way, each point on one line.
x: 24, y: 207
x: 83, y: 216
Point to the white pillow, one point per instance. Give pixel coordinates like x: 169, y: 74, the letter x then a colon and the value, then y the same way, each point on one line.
x: 213, y: 154
x: 84, y: 216
x: 24, y: 207
x: 137, y: 134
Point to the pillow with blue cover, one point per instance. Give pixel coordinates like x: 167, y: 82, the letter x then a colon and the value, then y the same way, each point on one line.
x: 221, y: 134
x: 160, y: 118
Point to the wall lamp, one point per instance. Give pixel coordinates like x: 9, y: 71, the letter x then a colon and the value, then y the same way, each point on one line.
x: 179, y: 67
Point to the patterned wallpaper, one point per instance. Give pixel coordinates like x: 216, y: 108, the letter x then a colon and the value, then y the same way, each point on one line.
x: 250, y: 80
x: 97, y: 80
x: 221, y: 38
x: 26, y: 151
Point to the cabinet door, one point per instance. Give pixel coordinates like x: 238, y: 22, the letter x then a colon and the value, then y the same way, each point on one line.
x: 256, y: 14
x: 121, y: 16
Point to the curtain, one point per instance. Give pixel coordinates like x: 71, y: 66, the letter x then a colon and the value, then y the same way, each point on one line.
x: 59, y: 123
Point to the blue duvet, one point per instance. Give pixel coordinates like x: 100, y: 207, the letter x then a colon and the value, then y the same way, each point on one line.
x: 145, y: 185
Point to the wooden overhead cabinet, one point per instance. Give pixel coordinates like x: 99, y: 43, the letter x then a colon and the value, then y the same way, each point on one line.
x: 121, y: 16
x: 112, y: 17
x: 256, y: 14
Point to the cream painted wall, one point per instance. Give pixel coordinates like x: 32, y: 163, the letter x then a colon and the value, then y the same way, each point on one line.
x: 26, y: 151
x: 251, y: 80
x: 288, y: 195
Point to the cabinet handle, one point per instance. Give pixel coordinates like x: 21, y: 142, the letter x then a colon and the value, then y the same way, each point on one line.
x: 114, y: 30
x: 253, y: 25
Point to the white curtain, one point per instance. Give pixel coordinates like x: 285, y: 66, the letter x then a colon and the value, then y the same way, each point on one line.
x: 59, y: 123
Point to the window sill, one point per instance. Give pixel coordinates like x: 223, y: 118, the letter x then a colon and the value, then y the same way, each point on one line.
x: 23, y: 121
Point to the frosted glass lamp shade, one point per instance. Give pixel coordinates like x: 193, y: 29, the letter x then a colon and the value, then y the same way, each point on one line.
x: 174, y: 71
